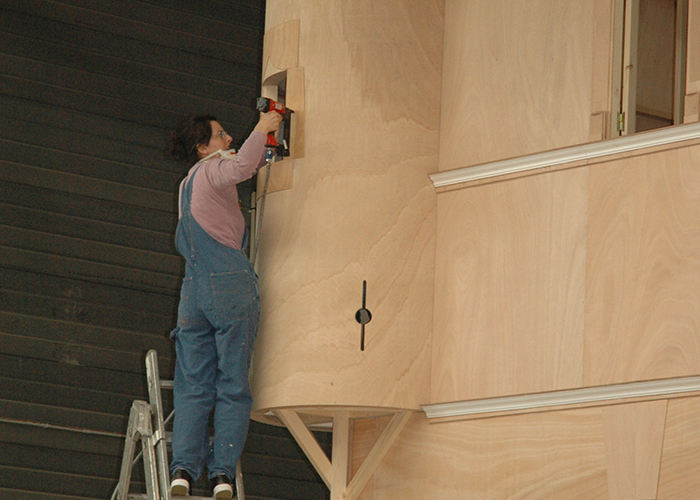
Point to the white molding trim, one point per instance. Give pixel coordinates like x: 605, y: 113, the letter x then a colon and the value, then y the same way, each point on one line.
x: 570, y: 397
x: 583, y: 152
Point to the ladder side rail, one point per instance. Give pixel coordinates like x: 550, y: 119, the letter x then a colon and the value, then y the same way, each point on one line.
x: 151, y: 467
x: 122, y: 489
x: 240, y: 492
x: 144, y: 428
x: 156, y: 399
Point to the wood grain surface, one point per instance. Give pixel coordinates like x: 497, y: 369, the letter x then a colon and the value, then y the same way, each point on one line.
x: 360, y: 208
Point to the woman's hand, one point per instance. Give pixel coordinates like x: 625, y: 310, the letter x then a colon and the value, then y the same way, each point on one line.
x: 269, y: 122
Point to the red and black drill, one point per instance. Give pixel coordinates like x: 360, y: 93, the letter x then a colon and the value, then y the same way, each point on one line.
x: 281, y: 147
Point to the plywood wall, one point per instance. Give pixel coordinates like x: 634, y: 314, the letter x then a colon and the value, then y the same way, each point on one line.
x: 510, y: 286
x: 581, y: 277
x: 643, y: 271
x: 572, y: 278
x: 643, y: 450
x: 516, y: 78
x: 360, y: 208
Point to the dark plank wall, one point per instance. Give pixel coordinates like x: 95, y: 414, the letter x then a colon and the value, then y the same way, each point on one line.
x: 89, y: 276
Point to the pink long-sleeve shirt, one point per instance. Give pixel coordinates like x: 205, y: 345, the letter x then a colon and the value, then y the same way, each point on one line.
x: 214, y: 203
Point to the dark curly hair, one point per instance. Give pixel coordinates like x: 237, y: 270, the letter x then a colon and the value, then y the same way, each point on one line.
x: 192, y: 131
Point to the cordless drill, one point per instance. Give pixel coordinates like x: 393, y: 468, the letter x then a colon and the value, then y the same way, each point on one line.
x: 264, y: 105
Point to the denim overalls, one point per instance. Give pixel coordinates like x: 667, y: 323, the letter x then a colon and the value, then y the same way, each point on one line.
x: 216, y: 328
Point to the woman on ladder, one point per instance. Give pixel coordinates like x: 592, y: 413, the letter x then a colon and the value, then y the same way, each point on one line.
x: 219, y: 303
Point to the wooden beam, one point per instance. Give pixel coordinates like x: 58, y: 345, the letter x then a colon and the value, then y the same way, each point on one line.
x: 341, y: 455
x: 308, y: 443
x: 335, y: 472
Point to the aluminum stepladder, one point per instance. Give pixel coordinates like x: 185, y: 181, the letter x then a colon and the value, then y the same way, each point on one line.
x: 147, y: 425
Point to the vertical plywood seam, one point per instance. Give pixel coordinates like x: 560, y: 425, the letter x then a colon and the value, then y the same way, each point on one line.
x: 431, y: 336
x: 585, y: 276
x: 661, y: 456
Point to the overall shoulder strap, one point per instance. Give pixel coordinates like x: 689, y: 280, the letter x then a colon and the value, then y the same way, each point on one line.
x: 186, y: 191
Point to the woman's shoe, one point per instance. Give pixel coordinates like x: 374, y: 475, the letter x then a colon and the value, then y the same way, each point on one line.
x: 180, y: 483
x: 223, y: 489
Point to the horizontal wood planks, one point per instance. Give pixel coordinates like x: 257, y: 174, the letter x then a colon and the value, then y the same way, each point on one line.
x: 89, y: 276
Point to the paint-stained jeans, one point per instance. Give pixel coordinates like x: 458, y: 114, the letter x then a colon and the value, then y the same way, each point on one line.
x: 216, y: 329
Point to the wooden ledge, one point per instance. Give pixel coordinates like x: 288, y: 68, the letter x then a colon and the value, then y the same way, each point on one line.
x: 573, y: 156
x: 320, y: 418
x: 565, y: 399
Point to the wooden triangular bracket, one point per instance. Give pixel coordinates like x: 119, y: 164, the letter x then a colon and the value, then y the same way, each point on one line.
x: 335, y: 472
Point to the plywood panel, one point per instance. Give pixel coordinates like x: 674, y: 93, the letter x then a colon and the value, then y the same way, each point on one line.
x: 602, y: 74
x: 516, y: 78
x: 365, y: 433
x: 633, y: 437
x: 539, y: 456
x: 643, y: 278
x: 360, y: 208
x: 281, y: 48
x: 635, y: 451
x: 680, y: 466
x: 691, y: 109
x: 510, y: 277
